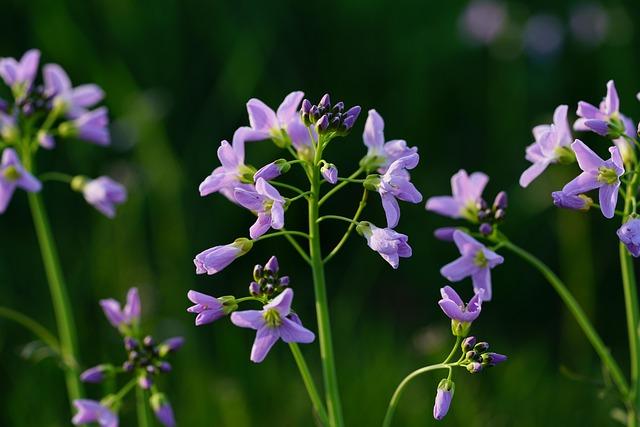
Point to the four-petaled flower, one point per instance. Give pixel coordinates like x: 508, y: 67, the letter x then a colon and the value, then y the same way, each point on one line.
x: 456, y: 309
x: 267, y: 203
x: 91, y: 411
x: 127, y: 316
x: 381, y: 154
x: 19, y: 75
x: 604, y: 120
x: 13, y: 175
x: 395, y: 184
x: 466, y: 192
x: 73, y: 101
x: 275, y: 321
x: 266, y: 123
x: 104, y: 194
x: 476, y: 261
x: 597, y: 173
x: 390, y: 244
x: 207, y: 308
x: 550, y: 146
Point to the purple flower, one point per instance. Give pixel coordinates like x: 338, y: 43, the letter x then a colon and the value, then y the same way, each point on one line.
x: 390, y: 244
x: 381, y: 154
x: 476, y: 261
x: 127, y: 316
x: 456, y: 309
x: 466, y: 192
x: 548, y: 147
x: 493, y: 359
x: 170, y: 345
x: 96, y: 374
x: 208, y: 308
x: 266, y: 123
x: 12, y: 176
x: 267, y: 203
x: 444, y: 233
x: 629, y: 234
x: 274, y: 321
x: 90, y: 411
x: 395, y: 184
x: 20, y: 75
x: 233, y: 173
x: 597, y: 173
x: 604, y: 120
x: 91, y: 126
x: 215, y: 259
x: 72, y: 101
x: 162, y: 409
x: 272, y: 170
x: 568, y: 201
x: 104, y: 194
x: 45, y: 140
x: 443, y: 399
x: 329, y: 172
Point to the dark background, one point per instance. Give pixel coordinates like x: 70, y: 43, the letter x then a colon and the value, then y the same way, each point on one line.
x: 177, y: 75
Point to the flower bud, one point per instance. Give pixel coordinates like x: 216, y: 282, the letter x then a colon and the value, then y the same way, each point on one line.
x: 258, y: 272
x: 45, y: 140
x: 481, y: 347
x: 460, y: 329
x: 493, y: 359
x: 338, y: 107
x: 567, y: 201
x: 272, y: 266
x: 145, y: 382
x: 474, y: 367
x: 325, y: 101
x: 272, y: 170
x: 444, y: 395
x: 162, y: 409
x: 372, y: 182
x: 229, y: 305
x: 283, y: 281
x: 322, y: 124
x: 500, y: 201
x: 96, y: 374
x: 468, y: 343
x: 500, y: 214
x: 148, y: 341
x: 329, y: 172
x: 254, y: 289
x: 444, y: 233
x: 170, y: 345
x: 164, y: 367
x: 130, y: 343
x: 485, y: 228
x: 128, y: 366
x: 306, y: 106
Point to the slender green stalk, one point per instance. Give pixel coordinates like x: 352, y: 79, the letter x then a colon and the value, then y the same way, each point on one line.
x: 287, y: 186
x: 55, y: 176
x: 281, y: 233
x: 338, y: 217
x: 142, y: 408
x: 59, y: 296
x: 345, y: 237
x: 297, y: 247
x: 36, y: 328
x: 393, y: 403
x: 316, y: 400
x: 334, y: 408
x: 578, y: 314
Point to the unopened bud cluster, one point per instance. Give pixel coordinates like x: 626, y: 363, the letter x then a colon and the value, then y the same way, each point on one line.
x: 148, y: 358
x: 477, y: 356
x: 489, y: 216
x: 329, y: 118
x: 266, y: 281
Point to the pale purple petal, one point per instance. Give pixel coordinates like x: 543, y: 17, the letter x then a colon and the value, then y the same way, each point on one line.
x: 261, y: 226
x: 227, y: 156
x: 449, y: 293
x: 598, y: 126
x: 611, y: 101
x: 132, y: 308
x: 482, y: 283
x: 261, y: 117
x: 465, y: 243
x: 584, y: 182
x: 588, y: 111
x: 282, y: 302
x: 204, y: 299
x: 609, y: 199
x: 532, y: 172
x: 277, y: 215
x: 56, y: 80
x: 87, y: 95
x: 373, y: 135
x: 265, y: 339
x: 266, y: 189
x: 459, y: 269
x: 291, y: 331
x: 444, y: 205
x: 391, y: 209
x: 252, y: 319
x: 288, y: 110
x: 251, y: 200
x: 587, y: 159
x: 112, y: 311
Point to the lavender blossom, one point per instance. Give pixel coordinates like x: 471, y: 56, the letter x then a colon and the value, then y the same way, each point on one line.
x: 568, y: 201
x: 551, y: 146
x: 597, y: 174
x: 96, y: 374
x: 272, y: 170
x: 381, y: 154
x: 275, y: 321
x: 123, y: 317
x: 91, y: 411
x: 232, y: 174
x: 604, y: 120
x: 267, y: 203
x: 395, y: 184
x: 91, y: 126
x: 329, y: 173
x: 162, y: 409
x: 45, y: 140
x: 19, y: 76
x: 456, y: 309
x: 629, y: 234
x: 266, y: 123
x: 74, y: 102
x: 476, y: 261
x: 466, y: 193
x: 102, y: 193
x: 13, y: 175
x: 444, y: 233
x: 390, y: 244
x: 208, y: 308
x: 443, y: 399
x: 215, y: 259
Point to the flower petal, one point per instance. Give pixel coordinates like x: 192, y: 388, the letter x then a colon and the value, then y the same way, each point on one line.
x: 261, y: 117
x: 251, y: 319
x: 459, y: 269
x: 587, y: 159
x: 265, y: 339
x: 482, y: 283
x: 282, y: 302
x: 288, y: 110
x: 609, y: 199
x: 291, y: 331
x: 373, y: 135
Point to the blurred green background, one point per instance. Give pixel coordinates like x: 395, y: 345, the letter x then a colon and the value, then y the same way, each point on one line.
x: 465, y: 82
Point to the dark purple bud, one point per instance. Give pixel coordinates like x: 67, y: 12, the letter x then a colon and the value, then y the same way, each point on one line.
x: 472, y: 355
x: 493, y: 359
x: 474, y: 367
x: 96, y: 374
x: 165, y: 367
x: 306, y: 106
x: 347, y: 123
x: 283, y: 281
x: 483, y: 214
x: 145, y: 382
x: 334, y: 123
x: 468, y: 343
x: 485, y: 228
x: 258, y: 271
x: 268, y: 289
x: 162, y: 409
x: 500, y: 214
x: 323, y: 123
x: 314, y: 114
x: 500, y: 201
x: 481, y: 205
x: 338, y: 107
x: 170, y: 345
x: 272, y: 265
x: 148, y: 341
x: 325, y: 102
x: 481, y: 347
x: 152, y: 369
x: 254, y: 289
x: 130, y: 343
x: 353, y: 112
x: 444, y: 233
x: 128, y: 366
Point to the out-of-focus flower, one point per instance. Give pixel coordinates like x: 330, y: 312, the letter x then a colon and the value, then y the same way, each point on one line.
x: 13, y: 175
x: 589, y: 23
x: 102, y: 193
x: 466, y: 193
x: 543, y: 35
x: 74, y: 102
x: 275, y: 321
x: 19, y: 75
x: 483, y: 21
x: 162, y: 409
x: 91, y: 126
x: 91, y: 411
x: 127, y: 316
x: 390, y: 244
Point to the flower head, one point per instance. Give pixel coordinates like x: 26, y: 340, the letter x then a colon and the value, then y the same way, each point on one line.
x: 266, y: 123
x: 443, y: 399
x: 329, y: 118
x: 19, y: 75
x: 102, y: 193
x: 91, y: 126
x: 390, y: 244
x: 550, y: 146
x: 207, y: 308
x: 466, y: 192
x: 121, y: 317
x: 381, y: 154
x: 395, y: 185
x: 73, y: 101
x: 13, y: 175
x: 568, y: 201
x: 604, y: 120
x: 453, y: 306
x: 275, y: 321
x: 629, y: 234
x: 475, y: 261
x: 597, y: 174
x: 215, y: 259
x: 267, y: 203
x: 91, y: 411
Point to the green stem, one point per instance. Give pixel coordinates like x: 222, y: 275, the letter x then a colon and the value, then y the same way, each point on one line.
x: 36, y: 328
x: 56, y: 176
x: 299, y: 196
x: 337, y: 188
x: 578, y: 314
x: 322, y: 307
x: 310, y: 385
x: 142, y: 408
x: 393, y: 403
x: 338, y: 217
x: 354, y: 221
x: 287, y: 186
x: 298, y: 248
x: 281, y: 233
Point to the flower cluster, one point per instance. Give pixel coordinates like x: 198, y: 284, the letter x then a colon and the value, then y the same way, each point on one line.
x: 555, y: 143
x: 146, y: 360
x: 39, y: 115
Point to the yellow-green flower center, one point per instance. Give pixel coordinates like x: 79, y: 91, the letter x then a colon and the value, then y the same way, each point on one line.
x: 607, y: 175
x: 480, y: 259
x: 11, y: 173
x: 272, y: 318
